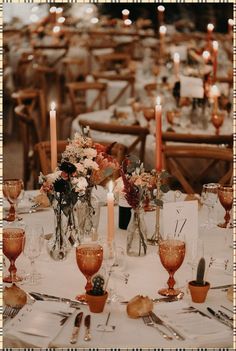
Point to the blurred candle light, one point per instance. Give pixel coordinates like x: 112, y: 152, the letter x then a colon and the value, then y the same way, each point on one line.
x: 61, y: 20
x: 214, y: 93
x: 230, y: 25
x: 59, y: 10
x: 94, y: 20
x: 125, y: 14
x: 89, y: 10
x: 162, y: 33
x: 56, y: 29
x: 176, y: 60
x: 160, y: 13
x: 110, y: 212
x: 127, y: 22
x: 35, y: 9
x: 158, y: 116
x: 52, y: 9
x: 53, y: 136
x: 215, y: 47
x: 34, y: 18
x: 206, y: 55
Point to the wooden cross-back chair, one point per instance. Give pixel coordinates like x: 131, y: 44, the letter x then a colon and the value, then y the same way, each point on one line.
x: 34, y: 102
x: 136, y: 131
x: 128, y: 87
x: 72, y: 68
x: 43, y: 152
x: 77, y: 94
x: 176, y: 156
x: 113, y: 60
x: 30, y: 136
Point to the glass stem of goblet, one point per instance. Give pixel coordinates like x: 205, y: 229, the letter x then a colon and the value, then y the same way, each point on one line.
x: 12, y: 270
x: 33, y: 271
x: 209, y: 217
x: 227, y: 218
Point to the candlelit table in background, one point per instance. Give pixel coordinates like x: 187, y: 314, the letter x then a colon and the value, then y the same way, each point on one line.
x: 145, y: 276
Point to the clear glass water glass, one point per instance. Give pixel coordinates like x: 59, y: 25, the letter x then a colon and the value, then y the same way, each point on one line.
x: 209, y: 198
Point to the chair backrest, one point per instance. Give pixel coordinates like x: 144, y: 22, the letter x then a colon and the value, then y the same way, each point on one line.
x: 226, y: 139
x: 136, y: 131
x: 77, y: 93
x: 112, y: 60
x: 33, y: 100
x: 175, y: 161
x: 128, y: 87
x: 29, y: 136
x: 72, y: 68
x: 43, y: 151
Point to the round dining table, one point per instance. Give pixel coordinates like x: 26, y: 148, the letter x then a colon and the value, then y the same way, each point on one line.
x: 38, y: 323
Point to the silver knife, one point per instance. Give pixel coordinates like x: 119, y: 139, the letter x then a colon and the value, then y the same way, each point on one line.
x: 221, y: 286
x: 162, y: 299
x: 45, y: 297
x: 77, y: 323
x: 219, y: 318
x: 87, y: 321
x: 157, y: 320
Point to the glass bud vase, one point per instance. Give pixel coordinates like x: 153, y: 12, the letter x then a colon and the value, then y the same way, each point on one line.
x: 88, y: 214
x: 65, y: 232
x: 137, y: 234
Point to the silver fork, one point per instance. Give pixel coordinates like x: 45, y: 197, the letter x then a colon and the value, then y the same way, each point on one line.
x: 148, y: 321
x: 10, y: 312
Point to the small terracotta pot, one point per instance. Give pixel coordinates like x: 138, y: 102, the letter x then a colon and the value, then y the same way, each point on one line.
x: 96, y: 303
x: 198, y: 293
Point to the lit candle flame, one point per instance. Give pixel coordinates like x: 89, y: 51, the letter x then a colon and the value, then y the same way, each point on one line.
x: 176, y: 57
x: 162, y: 30
x: 56, y: 29
x: 206, y: 55
x: 158, y: 101
x: 230, y: 21
x: 214, y: 91
x: 210, y: 27
x: 161, y: 8
x: 215, y: 45
x: 53, y: 106
x: 89, y: 10
x: 94, y: 20
x: 53, y: 9
x: 59, y: 10
x: 125, y: 12
x: 61, y: 20
x: 127, y: 22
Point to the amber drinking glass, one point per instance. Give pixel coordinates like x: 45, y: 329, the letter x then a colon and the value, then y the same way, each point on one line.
x: 217, y: 120
x: 12, y: 247
x: 172, y: 253
x: 225, y: 194
x: 89, y: 260
x: 11, y: 191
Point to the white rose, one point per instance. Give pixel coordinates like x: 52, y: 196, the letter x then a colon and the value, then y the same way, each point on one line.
x: 90, y: 164
x: 90, y: 153
x: 81, y: 184
x: 79, y: 167
x: 52, y: 177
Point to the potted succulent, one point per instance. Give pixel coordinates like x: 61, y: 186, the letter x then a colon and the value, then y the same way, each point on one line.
x: 96, y: 297
x: 199, y: 288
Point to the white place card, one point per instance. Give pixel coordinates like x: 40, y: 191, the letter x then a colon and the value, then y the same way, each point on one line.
x: 181, y: 218
x: 191, y: 87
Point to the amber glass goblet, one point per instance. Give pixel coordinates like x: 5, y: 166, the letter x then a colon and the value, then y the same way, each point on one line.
x: 225, y: 194
x: 12, y: 247
x: 11, y: 191
x: 172, y: 253
x: 89, y: 260
x: 149, y: 114
x: 217, y: 120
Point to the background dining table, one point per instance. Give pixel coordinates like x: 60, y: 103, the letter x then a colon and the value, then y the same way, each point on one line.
x: 136, y: 276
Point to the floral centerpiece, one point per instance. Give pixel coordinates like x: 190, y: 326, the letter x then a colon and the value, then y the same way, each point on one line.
x: 84, y: 165
x: 138, y: 185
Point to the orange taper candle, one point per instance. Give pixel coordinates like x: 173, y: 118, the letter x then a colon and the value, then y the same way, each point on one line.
x: 158, y: 116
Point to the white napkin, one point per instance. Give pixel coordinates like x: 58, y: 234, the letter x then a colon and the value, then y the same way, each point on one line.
x: 41, y: 319
x: 191, y: 325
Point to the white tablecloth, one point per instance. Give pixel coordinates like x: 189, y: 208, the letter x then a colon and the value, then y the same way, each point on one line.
x: 146, y: 276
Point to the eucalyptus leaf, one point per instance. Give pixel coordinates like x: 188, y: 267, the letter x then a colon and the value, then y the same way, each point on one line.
x: 158, y: 202
x: 164, y: 188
